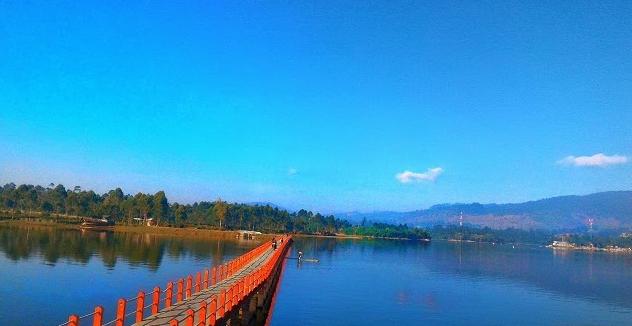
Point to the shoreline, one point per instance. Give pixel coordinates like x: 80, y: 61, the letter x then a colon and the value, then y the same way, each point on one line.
x: 185, y: 231
x: 153, y: 230
x: 613, y: 250
x: 357, y: 237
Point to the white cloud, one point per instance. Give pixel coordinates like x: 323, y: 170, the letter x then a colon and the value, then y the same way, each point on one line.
x: 409, y: 176
x: 292, y: 171
x: 596, y: 160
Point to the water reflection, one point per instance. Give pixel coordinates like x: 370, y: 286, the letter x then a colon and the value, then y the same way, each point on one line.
x: 592, y: 275
x: 589, y: 275
x: 51, y: 244
x: 408, y: 282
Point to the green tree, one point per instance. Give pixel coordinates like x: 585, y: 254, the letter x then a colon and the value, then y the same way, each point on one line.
x: 112, y: 204
x: 180, y: 214
x: 220, y: 210
x: 143, y: 203
x: 47, y: 207
x: 58, y: 198
x: 160, y: 210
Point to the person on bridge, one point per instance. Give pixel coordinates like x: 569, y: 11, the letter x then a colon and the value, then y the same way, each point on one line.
x: 274, y: 243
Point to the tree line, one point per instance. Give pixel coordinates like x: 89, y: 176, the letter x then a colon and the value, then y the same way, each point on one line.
x: 533, y: 236
x: 54, y: 201
x: 124, y: 208
x: 486, y: 234
x: 385, y: 230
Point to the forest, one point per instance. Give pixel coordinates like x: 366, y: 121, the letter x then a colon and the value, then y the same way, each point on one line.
x: 58, y: 202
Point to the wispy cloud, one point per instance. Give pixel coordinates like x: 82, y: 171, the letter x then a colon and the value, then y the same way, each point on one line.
x: 599, y: 159
x: 292, y: 171
x: 410, y: 176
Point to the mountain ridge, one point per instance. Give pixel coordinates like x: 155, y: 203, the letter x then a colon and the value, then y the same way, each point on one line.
x: 609, y: 210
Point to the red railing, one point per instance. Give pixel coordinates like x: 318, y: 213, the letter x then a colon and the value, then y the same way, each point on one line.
x: 185, y: 288
x: 218, y: 306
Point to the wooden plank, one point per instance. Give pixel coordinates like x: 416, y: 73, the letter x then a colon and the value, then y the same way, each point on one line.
x: 178, y: 310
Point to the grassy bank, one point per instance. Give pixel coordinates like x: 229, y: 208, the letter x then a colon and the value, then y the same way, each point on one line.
x: 186, y: 232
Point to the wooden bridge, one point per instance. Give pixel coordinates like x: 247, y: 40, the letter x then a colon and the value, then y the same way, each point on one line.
x: 234, y: 293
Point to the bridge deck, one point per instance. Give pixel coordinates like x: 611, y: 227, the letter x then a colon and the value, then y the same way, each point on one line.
x: 178, y: 310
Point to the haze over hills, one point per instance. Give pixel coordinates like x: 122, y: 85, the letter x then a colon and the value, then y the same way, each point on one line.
x: 609, y: 210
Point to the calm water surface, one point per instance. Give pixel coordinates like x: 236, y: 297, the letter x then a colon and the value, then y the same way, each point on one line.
x: 48, y: 273
x: 359, y: 282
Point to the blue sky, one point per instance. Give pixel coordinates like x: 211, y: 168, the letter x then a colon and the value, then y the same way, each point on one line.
x: 332, y: 106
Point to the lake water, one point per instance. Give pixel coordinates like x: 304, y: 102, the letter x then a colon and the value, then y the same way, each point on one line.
x: 359, y: 282
x: 48, y: 273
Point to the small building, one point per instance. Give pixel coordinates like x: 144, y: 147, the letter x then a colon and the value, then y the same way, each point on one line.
x: 144, y: 221
x: 561, y: 244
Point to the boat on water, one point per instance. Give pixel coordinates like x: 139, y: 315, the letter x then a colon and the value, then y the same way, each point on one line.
x: 96, y: 223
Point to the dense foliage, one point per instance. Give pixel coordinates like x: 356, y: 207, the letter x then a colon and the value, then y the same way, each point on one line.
x: 541, y: 237
x: 598, y: 240
x: 384, y: 230
x: 469, y: 233
x: 57, y: 201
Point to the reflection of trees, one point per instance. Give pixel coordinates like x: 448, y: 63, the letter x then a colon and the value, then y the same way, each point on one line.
x: 317, y: 246
x: 597, y: 276
x: 53, y: 244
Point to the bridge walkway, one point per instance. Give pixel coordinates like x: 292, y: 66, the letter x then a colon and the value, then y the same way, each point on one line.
x: 178, y: 310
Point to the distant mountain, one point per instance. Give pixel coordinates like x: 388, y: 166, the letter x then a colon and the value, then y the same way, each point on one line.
x: 609, y: 210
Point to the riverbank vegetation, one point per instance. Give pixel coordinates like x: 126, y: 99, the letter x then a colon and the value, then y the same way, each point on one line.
x: 598, y: 240
x: 579, y: 238
x: 383, y: 230
x: 59, y: 204
x: 469, y: 233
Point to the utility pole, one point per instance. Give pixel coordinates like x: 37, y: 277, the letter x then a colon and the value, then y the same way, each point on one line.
x: 461, y: 224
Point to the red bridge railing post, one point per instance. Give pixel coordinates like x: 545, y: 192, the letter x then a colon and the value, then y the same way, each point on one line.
x: 120, y: 312
x: 189, y: 284
x: 73, y: 320
x: 97, y: 320
x: 221, y: 303
x: 212, y: 319
x: 140, y: 306
x: 205, y: 284
x: 180, y: 290
x: 169, y: 299
x: 190, y: 317
x: 155, y: 303
x: 229, y: 298
x: 212, y: 307
x: 202, y: 315
x: 198, y: 282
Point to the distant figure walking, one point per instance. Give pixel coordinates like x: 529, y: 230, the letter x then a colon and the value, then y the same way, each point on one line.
x: 274, y: 243
x: 300, y: 255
